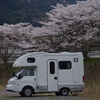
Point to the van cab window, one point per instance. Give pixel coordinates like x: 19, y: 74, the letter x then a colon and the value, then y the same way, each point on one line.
x: 27, y: 72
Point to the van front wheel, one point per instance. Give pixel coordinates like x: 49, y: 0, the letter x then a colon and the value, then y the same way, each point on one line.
x: 64, y: 91
x: 27, y: 92
x: 21, y: 94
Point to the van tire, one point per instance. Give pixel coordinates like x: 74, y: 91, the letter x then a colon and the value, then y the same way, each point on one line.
x: 27, y: 92
x: 64, y: 91
x: 21, y: 94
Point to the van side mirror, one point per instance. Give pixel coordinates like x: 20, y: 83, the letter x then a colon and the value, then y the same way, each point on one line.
x: 19, y: 76
x: 13, y: 74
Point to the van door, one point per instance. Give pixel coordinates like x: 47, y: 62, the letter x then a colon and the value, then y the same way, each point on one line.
x: 52, y: 75
x: 28, y: 77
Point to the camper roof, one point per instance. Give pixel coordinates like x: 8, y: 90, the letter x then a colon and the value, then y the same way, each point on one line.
x: 23, y: 60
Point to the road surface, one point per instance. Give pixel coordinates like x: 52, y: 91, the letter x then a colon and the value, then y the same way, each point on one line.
x: 50, y: 96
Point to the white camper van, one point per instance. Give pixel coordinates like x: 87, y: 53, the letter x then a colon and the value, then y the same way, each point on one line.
x: 48, y: 72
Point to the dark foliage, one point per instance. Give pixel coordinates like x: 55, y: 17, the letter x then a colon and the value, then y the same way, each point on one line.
x: 15, y: 11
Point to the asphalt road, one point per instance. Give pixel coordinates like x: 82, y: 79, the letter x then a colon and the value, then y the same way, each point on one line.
x: 50, y: 96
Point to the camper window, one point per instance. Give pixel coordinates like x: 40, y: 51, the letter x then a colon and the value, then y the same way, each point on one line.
x: 64, y: 64
x: 31, y: 60
x: 52, y: 67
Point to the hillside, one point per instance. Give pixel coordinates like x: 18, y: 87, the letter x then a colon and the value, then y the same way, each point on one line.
x: 15, y: 11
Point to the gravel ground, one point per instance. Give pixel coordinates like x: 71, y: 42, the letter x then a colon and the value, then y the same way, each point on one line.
x: 8, y: 94
x: 50, y: 96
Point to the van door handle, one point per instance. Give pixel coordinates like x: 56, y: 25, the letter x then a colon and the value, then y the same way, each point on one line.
x: 55, y: 78
x: 34, y: 79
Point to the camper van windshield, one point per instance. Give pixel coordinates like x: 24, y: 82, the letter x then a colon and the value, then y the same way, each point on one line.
x: 18, y: 72
x: 27, y: 72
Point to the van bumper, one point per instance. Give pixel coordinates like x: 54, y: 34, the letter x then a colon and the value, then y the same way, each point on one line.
x: 79, y: 88
x: 10, y: 88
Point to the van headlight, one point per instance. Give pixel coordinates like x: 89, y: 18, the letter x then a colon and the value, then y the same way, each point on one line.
x: 11, y: 82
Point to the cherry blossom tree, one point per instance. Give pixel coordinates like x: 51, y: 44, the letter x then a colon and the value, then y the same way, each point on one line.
x: 79, y: 22
x: 51, y: 43
x: 12, y: 38
x: 21, y: 37
x: 75, y: 26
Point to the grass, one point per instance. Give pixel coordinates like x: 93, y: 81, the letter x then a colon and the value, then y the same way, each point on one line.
x: 92, y: 89
x: 92, y: 78
x: 2, y: 88
x: 92, y: 61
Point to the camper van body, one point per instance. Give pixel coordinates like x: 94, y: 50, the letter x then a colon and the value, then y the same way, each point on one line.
x: 48, y: 72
